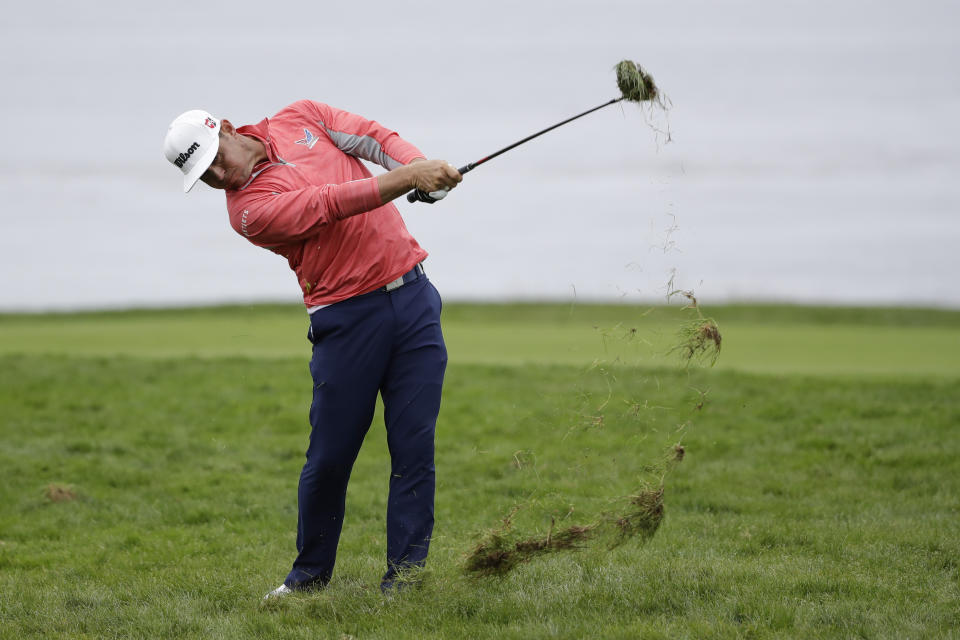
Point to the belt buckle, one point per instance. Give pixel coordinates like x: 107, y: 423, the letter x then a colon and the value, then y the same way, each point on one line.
x: 396, y: 284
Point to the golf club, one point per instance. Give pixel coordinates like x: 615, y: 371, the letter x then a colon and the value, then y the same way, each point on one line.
x: 635, y: 85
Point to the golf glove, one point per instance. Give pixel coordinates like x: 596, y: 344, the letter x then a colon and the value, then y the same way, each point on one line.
x: 429, y: 198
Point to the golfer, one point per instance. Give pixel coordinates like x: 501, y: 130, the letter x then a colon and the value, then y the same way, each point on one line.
x: 295, y: 185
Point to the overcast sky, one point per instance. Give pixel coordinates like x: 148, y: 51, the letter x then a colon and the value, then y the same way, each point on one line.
x: 813, y: 153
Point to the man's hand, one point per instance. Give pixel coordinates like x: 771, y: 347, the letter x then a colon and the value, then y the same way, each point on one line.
x: 434, y: 175
x: 425, y: 175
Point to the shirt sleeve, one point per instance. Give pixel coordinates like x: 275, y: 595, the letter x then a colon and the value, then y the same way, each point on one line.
x: 271, y: 218
x: 363, y: 138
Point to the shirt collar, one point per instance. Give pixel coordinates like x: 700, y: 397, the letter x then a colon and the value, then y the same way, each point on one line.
x: 261, y: 131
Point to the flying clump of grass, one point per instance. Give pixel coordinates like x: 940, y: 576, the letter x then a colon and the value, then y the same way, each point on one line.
x: 699, y: 338
x: 503, y: 548
x: 643, y: 512
x: 635, y: 517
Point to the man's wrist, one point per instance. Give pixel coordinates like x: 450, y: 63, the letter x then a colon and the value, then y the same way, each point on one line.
x: 396, y: 182
x: 409, y: 174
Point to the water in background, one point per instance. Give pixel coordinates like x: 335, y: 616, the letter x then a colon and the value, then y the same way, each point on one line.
x: 814, y: 152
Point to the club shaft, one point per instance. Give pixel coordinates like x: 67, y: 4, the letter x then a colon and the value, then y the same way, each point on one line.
x: 474, y: 165
x: 412, y: 196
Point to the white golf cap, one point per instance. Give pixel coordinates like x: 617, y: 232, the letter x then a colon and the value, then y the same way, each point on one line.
x: 191, y: 144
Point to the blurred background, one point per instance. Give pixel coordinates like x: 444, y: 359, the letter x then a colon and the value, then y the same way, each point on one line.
x: 810, y: 155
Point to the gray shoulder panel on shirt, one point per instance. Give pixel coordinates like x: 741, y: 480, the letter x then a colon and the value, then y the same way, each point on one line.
x: 362, y: 147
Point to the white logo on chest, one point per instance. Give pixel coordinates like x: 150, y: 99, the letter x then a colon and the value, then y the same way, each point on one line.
x: 308, y: 139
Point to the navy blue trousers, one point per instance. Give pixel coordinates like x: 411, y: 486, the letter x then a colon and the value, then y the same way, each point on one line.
x: 386, y: 342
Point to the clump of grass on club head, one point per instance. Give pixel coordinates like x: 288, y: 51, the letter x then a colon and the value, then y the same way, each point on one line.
x: 699, y: 338
x: 635, y: 84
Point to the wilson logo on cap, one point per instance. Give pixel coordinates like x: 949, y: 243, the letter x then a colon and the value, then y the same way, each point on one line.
x: 191, y: 144
x: 183, y: 157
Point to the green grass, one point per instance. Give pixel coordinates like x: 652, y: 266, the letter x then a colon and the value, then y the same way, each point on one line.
x: 770, y: 339
x: 812, y: 502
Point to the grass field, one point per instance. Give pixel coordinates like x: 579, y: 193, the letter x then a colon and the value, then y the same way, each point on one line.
x: 759, y: 339
x: 819, y: 495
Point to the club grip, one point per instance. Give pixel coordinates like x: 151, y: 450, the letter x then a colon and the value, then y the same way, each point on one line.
x: 420, y: 196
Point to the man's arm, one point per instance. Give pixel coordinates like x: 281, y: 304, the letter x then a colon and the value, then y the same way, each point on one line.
x: 367, y: 139
x: 270, y: 217
x: 361, y: 138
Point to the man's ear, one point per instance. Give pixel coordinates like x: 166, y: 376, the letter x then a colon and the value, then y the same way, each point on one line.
x: 226, y: 127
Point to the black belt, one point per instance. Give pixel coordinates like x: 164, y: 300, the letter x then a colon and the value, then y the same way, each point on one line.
x: 407, y: 278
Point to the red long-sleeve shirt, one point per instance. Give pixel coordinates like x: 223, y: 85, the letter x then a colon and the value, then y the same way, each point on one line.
x: 304, y: 201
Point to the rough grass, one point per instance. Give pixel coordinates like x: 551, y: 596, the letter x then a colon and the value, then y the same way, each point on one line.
x: 805, y: 506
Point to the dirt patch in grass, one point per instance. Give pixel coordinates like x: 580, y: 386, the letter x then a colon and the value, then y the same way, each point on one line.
x: 56, y: 492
